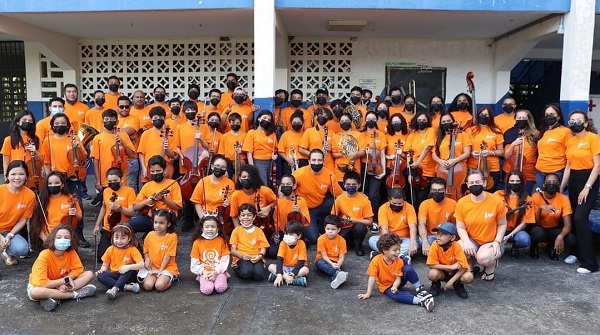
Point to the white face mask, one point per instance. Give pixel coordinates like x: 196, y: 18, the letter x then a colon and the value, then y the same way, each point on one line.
x: 250, y: 229
x: 289, y: 239
x: 209, y: 237
x: 56, y: 110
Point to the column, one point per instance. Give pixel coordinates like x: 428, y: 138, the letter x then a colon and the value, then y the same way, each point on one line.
x: 577, y: 56
x: 501, y: 92
x: 34, y: 79
x: 264, y: 53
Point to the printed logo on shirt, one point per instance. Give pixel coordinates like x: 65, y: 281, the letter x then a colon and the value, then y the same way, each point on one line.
x: 452, y: 259
x: 355, y: 208
x: 163, y: 247
x: 63, y: 272
x: 550, y: 139
x: 270, y: 140
x: 21, y: 206
x: 64, y: 206
x: 402, y: 218
x: 489, y: 137
x: 253, y: 241
x: 488, y: 215
x: 210, y: 256
x: 126, y: 260
x: 81, y: 112
x: 322, y: 186
x: 119, y: 198
x: 447, y: 216
x: 457, y: 143
x: 581, y: 145
x: 336, y: 249
x: 295, y: 256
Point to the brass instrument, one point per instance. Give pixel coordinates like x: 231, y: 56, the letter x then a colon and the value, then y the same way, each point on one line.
x: 86, y: 134
x: 412, y: 88
x: 355, y: 115
x: 348, y: 145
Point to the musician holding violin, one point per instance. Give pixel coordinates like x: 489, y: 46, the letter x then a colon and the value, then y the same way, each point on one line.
x: 250, y: 189
x: 395, y: 136
x: 159, y: 133
x: 260, y: 145
x: 488, y: 143
x: 452, y: 149
x: 64, y: 153
x: 56, y: 204
x: 212, y: 193
x: 420, y: 142
x: 130, y: 124
x: 111, y: 148
x: 117, y: 207
x: 288, y: 146
x: 520, y: 148
x: 22, y: 142
x: 373, y: 163
x: 229, y: 141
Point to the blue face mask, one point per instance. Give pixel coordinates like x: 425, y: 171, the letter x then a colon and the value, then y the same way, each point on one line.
x: 351, y: 189
x: 62, y: 244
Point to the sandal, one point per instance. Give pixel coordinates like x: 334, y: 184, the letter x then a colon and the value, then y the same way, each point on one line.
x: 8, y: 259
x: 488, y: 276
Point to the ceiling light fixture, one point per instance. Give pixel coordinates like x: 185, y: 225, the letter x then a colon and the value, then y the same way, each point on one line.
x: 346, y: 25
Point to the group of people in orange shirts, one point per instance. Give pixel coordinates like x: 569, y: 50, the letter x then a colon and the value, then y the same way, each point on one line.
x: 229, y: 165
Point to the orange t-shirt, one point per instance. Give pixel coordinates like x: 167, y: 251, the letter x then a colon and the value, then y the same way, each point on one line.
x: 227, y: 99
x: 312, y: 138
x: 15, y: 206
x: 415, y: 142
x: 117, y: 257
x: 151, y: 144
x: 110, y: 101
x: 76, y: 111
x: 385, y: 274
x: 158, y: 247
x: 480, y: 218
x: 462, y: 118
x: 49, y: 267
x: 125, y: 198
x: 101, y: 150
x: 356, y: 207
x: 291, y: 256
x: 212, y: 138
x: 259, y: 144
x: 18, y: 153
x: 511, y: 222
x: 93, y: 117
x: 239, y: 197
x: 246, y: 113
x: 152, y: 187
x: 336, y: 148
x: 290, y: 140
x: 213, y: 192
x: 492, y: 140
x: 392, y: 140
x: 55, y: 152
x: 552, y: 148
x: 581, y: 151
x: 463, y: 140
x: 313, y: 187
x: 163, y: 105
x: 435, y: 213
x: 185, y: 137
x: 562, y: 207
x: 310, y: 119
x: 530, y: 154
x: 284, y: 207
x: 397, y: 223
x: 333, y: 248
x: 335, y: 128
x: 380, y: 143
x: 129, y: 121
x: 454, y: 254
x: 43, y: 128
x: 248, y: 242
x: 143, y: 115
x: 209, y: 252
x: 504, y: 121
x: 56, y: 209
x: 227, y: 145
x: 435, y: 121
x: 287, y: 112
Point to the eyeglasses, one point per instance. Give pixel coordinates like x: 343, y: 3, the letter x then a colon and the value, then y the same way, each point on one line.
x: 124, y: 106
x: 478, y: 182
x: 576, y: 122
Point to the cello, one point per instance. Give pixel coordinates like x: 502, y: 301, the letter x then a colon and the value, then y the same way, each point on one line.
x: 373, y: 164
x: 471, y: 89
x: 77, y: 158
x: 194, y: 159
x: 34, y: 165
x: 482, y: 165
x: 457, y: 173
x: 165, y: 134
x: 396, y: 178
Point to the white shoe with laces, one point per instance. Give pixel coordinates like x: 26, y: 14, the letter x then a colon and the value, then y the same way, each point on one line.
x: 571, y: 259
x: 583, y: 270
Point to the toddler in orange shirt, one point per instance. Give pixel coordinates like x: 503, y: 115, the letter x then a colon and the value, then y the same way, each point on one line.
x: 290, y: 266
x: 210, y: 256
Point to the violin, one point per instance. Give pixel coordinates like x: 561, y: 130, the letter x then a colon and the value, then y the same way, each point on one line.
x: 416, y: 179
x: 146, y: 209
x: 70, y: 219
x: 224, y: 213
x: 471, y: 89
x: 34, y: 165
x: 114, y: 217
x: 455, y: 175
x: 195, y: 159
x: 77, y: 158
x: 266, y: 223
x: 482, y: 165
x: 118, y: 152
x: 165, y: 134
x: 292, y: 154
x: 373, y: 164
x: 396, y: 178
x: 517, y: 159
x: 297, y: 215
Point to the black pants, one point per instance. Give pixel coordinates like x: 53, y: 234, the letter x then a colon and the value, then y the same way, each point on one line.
x: 372, y: 189
x: 355, y: 235
x: 248, y: 270
x: 581, y: 218
x: 274, y: 247
x: 317, y: 219
x: 418, y: 196
x: 103, y: 244
x: 548, y: 235
x: 189, y: 216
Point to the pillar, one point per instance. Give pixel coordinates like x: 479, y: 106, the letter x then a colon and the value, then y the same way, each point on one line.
x: 264, y: 53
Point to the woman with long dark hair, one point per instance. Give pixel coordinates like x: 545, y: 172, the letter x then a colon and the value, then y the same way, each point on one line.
x: 21, y: 141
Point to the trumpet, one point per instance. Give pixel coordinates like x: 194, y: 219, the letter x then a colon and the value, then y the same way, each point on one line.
x: 86, y: 134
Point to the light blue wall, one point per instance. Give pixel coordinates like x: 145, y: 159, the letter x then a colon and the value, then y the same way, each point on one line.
x: 42, y: 6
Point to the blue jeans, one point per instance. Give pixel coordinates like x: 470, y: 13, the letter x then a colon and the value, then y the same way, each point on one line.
x: 18, y: 245
x: 317, y: 217
x: 403, y: 247
x: 115, y: 279
x: 520, y: 240
x: 409, y: 275
x: 141, y: 223
x: 325, y: 267
x: 539, y: 177
x: 133, y: 174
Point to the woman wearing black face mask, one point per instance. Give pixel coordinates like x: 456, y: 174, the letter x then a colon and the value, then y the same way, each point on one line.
x: 549, y: 216
x: 515, y: 196
x: 346, y: 148
x: 382, y: 112
x: 260, y: 145
x: 581, y: 176
x: 211, y: 136
x: 435, y: 110
x: 396, y: 135
x: 314, y: 138
x: 420, y: 142
x: 288, y: 147
x: 410, y: 107
x: 53, y: 204
x: 523, y: 135
x: 248, y: 188
x: 486, y: 131
x: 481, y: 223
x: 377, y: 143
x: 209, y: 193
x: 461, y: 110
x: 551, y: 144
x: 21, y: 142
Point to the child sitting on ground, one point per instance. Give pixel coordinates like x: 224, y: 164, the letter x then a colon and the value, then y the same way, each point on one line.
x: 390, y: 273
x: 448, y: 262
x: 290, y: 266
x: 210, y: 256
x: 331, y: 252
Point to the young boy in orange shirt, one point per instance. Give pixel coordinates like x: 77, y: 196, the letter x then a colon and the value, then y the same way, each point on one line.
x: 331, y: 252
x: 290, y: 266
x: 448, y: 262
x: 390, y: 273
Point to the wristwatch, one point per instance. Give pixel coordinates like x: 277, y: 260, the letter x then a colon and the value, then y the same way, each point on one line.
x: 588, y: 185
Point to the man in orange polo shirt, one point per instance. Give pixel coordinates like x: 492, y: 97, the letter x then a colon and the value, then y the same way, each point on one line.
x: 74, y: 109
x: 113, y: 93
x: 160, y: 96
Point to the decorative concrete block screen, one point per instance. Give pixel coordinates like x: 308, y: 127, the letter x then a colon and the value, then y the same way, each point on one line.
x: 171, y: 64
x: 51, y: 79
x: 321, y: 64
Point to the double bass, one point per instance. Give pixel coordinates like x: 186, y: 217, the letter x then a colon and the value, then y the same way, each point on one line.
x: 195, y: 159
x: 165, y: 134
x: 456, y: 174
x: 77, y: 158
x: 396, y: 177
x: 34, y: 165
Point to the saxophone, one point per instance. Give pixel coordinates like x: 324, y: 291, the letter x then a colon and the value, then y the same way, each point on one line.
x: 348, y: 144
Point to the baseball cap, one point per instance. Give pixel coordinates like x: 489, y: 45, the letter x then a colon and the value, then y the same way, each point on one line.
x: 446, y: 228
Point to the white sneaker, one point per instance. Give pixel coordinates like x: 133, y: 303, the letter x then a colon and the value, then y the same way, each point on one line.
x: 583, y: 270
x: 427, y: 302
x: 340, y: 278
x: 571, y: 259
